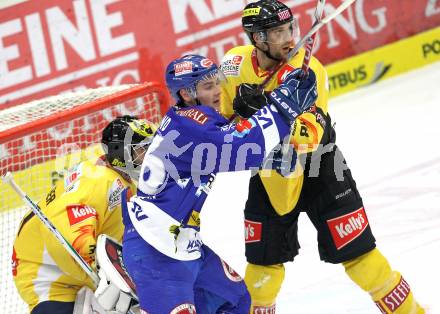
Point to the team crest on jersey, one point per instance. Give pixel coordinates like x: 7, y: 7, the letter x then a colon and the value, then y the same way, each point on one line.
x: 194, y: 114
x: 186, y: 308
x: 79, y: 212
x: 183, y: 68
x: 114, y: 194
x: 346, y: 228
x: 230, y: 272
x: 231, y: 65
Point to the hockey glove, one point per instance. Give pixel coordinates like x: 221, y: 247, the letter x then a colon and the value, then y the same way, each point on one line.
x: 295, y: 95
x: 187, y: 240
x: 249, y: 100
x: 86, y: 303
x: 111, y: 297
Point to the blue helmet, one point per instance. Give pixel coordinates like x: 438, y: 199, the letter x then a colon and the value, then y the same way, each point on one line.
x: 185, y: 72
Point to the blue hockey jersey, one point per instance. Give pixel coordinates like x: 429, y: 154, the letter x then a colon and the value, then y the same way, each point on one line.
x: 191, y: 145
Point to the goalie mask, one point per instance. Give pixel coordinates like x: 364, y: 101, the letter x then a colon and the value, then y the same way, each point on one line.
x: 186, y: 72
x: 125, y: 140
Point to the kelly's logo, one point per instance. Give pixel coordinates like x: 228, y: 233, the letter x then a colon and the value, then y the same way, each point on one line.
x: 252, y: 231
x: 346, y: 228
x: 79, y: 212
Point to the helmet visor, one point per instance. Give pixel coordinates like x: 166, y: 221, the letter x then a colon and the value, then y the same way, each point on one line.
x: 216, y: 76
x: 283, y: 34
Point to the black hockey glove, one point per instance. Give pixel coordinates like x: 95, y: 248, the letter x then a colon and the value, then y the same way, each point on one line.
x: 249, y: 100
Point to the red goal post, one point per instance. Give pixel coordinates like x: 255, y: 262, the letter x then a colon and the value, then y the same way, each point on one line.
x: 41, y: 139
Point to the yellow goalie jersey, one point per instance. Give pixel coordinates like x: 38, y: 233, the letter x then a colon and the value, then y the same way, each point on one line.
x: 86, y: 203
x: 240, y: 66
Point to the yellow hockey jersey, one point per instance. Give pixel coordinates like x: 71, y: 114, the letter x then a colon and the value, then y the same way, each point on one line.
x: 82, y: 205
x: 240, y: 65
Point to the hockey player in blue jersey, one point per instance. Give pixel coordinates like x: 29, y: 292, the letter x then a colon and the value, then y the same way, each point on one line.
x: 173, y: 270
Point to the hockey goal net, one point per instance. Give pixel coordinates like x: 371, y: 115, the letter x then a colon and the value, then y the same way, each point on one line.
x: 41, y: 139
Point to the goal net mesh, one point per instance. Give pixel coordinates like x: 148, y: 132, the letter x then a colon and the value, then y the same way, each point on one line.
x: 40, y: 140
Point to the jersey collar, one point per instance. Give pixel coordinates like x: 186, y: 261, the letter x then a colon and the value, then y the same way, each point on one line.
x: 257, y: 70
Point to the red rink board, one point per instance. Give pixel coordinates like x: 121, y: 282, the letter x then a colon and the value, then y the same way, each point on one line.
x: 49, y: 47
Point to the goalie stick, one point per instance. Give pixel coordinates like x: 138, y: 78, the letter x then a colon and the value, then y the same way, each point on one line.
x: 7, y: 178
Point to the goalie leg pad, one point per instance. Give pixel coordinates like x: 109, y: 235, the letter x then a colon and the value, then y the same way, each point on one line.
x: 388, y: 289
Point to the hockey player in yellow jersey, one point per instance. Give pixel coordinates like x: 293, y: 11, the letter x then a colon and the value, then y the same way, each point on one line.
x: 82, y: 205
x: 312, y: 176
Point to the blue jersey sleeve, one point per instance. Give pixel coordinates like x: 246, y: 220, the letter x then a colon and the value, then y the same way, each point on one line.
x: 219, y: 146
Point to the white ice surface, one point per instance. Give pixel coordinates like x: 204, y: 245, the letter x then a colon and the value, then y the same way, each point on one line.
x: 390, y: 136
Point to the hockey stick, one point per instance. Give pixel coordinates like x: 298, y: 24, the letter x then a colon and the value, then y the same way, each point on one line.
x: 310, y: 43
x: 38, y: 212
x: 311, y: 40
x: 316, y: 26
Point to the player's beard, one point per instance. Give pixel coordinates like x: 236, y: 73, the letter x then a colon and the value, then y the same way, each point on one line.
x: 282, y: 52
x: 286, y: 52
